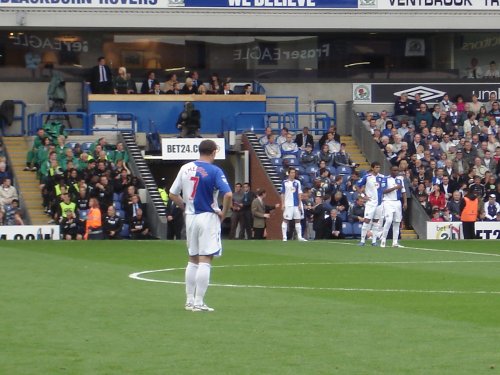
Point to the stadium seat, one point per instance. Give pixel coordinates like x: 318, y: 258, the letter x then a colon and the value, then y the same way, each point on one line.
x: 305, y: 179
x: 356, y: 229
x: 300, y: 170
x: 117, y: 205
x: 280, y: 170
x: 351, y: 197
x: 332, y: 170
x: 86, y: 146
x: 120, y: 214
x: 276, y: 161
x: 311, y: 171
x: 124, y: 233
x: 343, y: 215
x: 344, y: 170
x: 361, y: 115
x: 71, y: 145
x: 347, y: 229
x: 292, y: 162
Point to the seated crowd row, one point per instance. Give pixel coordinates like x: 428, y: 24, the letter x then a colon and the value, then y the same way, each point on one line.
x: 82, y: 183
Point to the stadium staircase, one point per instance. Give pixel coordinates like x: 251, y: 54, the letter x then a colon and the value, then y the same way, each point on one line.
x: 28, y: 187
x: 143, y: 172
x: 264, y: 160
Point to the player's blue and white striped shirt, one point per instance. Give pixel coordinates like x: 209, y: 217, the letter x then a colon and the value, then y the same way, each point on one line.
x: 390, y: 182
x: 372, y: 186
x: 291, y: 189
x: 200, y: 183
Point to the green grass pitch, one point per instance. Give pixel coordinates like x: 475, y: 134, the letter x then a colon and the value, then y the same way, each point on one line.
x: 281, y: 308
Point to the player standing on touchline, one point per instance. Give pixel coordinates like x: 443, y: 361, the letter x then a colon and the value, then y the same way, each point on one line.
x: 370, y: 191
x: 200, y: 183
x: 393, y: 189
x: 291, y: 203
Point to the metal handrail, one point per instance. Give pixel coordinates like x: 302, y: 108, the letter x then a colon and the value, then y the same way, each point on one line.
x: 293, y: 116
x: 333, y: 103
x: 266, y: 116
x: 38, y: 121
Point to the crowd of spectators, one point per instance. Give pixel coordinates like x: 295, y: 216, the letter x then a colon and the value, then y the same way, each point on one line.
x: 87, y: 188
x: 10, y: 210
x: 444, y: 152
x: 103, y: 81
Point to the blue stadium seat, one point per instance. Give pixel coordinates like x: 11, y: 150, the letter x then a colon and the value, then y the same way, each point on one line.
x: 344, y: 170
x: 292, y: 162
x: 356, y: 229
x: 280, y: 170
x: 376, y: 115
x: 311, y: 171
x: 124, y: 233
x: 332, y: 170
x: 86, y: 146
x: 347, y: 229
x: 276, y: 161
x: 117, y: 205
x: 117, y: 197
x: 343, y: 215
x: 361, y: 115
x: 71, y: 145
x: 305, y: 179
x: 120, y: 214
x: 300, y: 170
x: 351, y: 197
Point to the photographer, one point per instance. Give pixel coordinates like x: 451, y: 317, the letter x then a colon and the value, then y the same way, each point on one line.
x: 189, y: 122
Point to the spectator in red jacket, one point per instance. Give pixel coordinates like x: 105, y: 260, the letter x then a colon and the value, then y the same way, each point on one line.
x: 437, y: 198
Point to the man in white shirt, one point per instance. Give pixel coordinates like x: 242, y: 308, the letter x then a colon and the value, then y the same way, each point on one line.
x: 369, y: 188
x: 394, y: 190
x: 291, y: 204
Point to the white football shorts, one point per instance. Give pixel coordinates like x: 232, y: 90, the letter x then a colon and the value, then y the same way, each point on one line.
x: 203, y: 234
x: 393, y: 211
x: 373, y: 212
x: 290, y: 213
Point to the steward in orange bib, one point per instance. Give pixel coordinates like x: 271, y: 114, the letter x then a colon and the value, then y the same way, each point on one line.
x: 93, y: 226
x: 469, y: 211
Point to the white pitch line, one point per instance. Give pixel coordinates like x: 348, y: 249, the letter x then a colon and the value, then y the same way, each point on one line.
x: 138, y: 276
x: 426, y: 249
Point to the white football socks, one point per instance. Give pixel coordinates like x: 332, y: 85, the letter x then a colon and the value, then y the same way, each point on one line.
x: 202, y: 280
x: 191, y: 270
x: 284, y: 229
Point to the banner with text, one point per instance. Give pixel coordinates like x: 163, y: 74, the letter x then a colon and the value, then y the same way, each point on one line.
x: 29, y: 232
x: 187, y: 148
x: 444, y: 230
x: 487, y: 230
x: 162, y: 4
x: 452, y: 5
x: 388, y: 93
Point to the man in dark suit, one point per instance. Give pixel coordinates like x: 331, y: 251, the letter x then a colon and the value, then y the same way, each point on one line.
x: 333, y: 226
x: 304, y: 138
x: 226, y: 89
x: 175, y: 221
x: 101, y: 78
x: 448, y: 187
x: 246, y: 209
x: 196, y: 80
x: 157, y: 90
x: 148, y: 85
